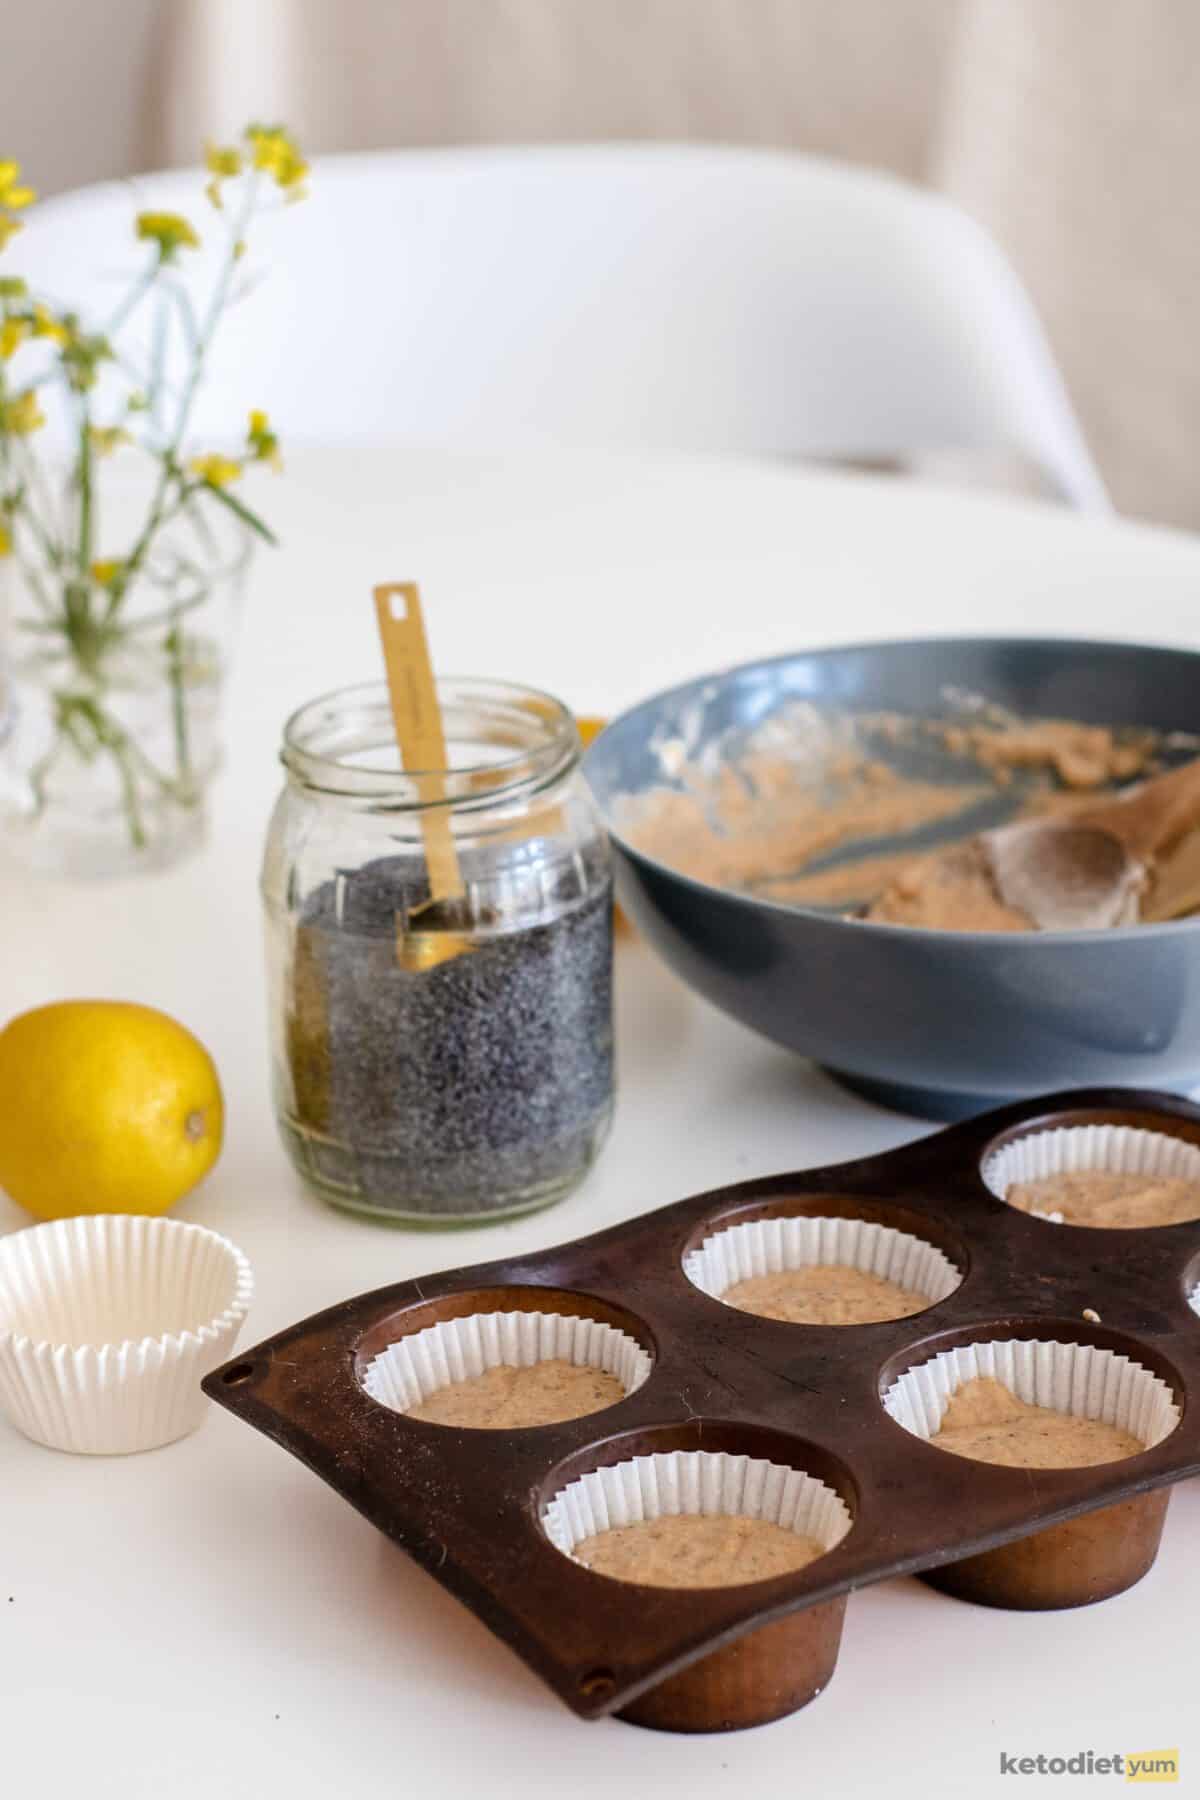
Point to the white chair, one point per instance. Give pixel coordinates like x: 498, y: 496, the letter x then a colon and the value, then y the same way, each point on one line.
x: 643, y: 296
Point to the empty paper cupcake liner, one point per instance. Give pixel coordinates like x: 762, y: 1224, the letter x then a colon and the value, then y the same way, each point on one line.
x: 712, y: 1482
x: 769, y: 1246
x: 414, y: 1368
x: 1080, y: 1379
x: 108, y: 1325
x: 1076, y: 1149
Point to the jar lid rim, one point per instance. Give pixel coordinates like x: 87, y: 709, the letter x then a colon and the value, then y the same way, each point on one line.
x: 534, y: 762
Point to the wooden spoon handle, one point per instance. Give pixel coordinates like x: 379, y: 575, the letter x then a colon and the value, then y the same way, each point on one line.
x: 1175, y: 890
x: 1153, y: 815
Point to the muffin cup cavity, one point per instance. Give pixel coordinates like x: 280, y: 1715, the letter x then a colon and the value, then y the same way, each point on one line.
x: 691, y: 1482
x: 413, y: 1368
x: 1092, y: 1557
x: 1081, y: 1149
x: 1085, y: 1380
x: 1084, y: 1559
x: 773, y: 1245
x: 109, y: 1323
x: 764, y: 1673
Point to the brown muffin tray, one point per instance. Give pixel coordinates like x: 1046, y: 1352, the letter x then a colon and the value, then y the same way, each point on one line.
x: 467, y: 1504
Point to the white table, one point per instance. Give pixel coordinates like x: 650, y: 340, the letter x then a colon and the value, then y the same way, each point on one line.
x: 209, y: 1619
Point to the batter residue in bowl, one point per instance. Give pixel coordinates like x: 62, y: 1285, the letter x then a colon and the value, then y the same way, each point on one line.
x: 813, y: 811
x: 760, y: 825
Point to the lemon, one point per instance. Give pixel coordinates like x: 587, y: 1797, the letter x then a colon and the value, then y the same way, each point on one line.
x: 104, y: 1107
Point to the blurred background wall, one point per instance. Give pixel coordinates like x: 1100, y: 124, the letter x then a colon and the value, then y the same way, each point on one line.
x: 1070, y: 128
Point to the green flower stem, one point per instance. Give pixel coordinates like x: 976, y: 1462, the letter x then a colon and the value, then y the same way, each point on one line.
x: 32, y: 579
x: 150, y: 621
x: 133, y: 299
x: 156, y: 388
x: 35, y: 499
x: 120, y: 749
x: 171, y: 473
x: 179, y: 719
x: 84, y: 478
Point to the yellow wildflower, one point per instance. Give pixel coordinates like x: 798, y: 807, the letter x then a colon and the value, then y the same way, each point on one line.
x: 223, y: 163
x: 21, y: 414
x: 218, y: 471
x: 263, y: 443
x: 82, y: 354
x: 107, y: 438
x: 13, y: 332
x: 170, y: 231
x: 105, y: 573
x: 5, y: 541
x: 223, y: 160
x: 12, y: 198
x: 12, y: 194
x: 12, y: 287
x: 273, y: 151
x: 45, y: 325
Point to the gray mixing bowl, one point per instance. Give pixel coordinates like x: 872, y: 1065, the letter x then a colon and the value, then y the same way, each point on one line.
x: 934, y: 1022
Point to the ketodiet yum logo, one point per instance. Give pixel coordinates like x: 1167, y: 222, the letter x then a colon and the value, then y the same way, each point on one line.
x: 1126, y: 1765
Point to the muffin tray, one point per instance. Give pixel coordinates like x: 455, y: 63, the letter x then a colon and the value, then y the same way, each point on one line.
x: 470, y: 1505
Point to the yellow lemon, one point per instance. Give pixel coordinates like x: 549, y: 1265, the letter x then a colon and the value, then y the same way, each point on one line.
x: 104, y: 1107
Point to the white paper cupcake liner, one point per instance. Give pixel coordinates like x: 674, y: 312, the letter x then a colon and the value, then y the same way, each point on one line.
x: 695, y: 1482
x: 769, y: 1246
x: 412, y: 1369
x: 108, y: 1325
x: 1080, y: 1379
x: 1074, y: 1149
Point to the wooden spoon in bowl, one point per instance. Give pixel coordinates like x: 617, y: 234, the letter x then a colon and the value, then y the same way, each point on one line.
x: 1130, y: 859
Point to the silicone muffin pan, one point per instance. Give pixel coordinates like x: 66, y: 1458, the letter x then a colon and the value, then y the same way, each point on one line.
x: 489, y: 1513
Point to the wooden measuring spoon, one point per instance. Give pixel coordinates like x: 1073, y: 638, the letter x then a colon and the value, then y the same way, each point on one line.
x: 420, y: 734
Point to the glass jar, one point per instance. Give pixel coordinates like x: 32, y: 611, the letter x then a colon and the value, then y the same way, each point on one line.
x: 439, y: 1061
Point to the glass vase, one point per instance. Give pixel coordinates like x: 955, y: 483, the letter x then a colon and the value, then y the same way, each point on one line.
x: 108, y: 748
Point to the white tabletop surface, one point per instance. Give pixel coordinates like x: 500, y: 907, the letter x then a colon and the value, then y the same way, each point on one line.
x: 210, y: 1619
